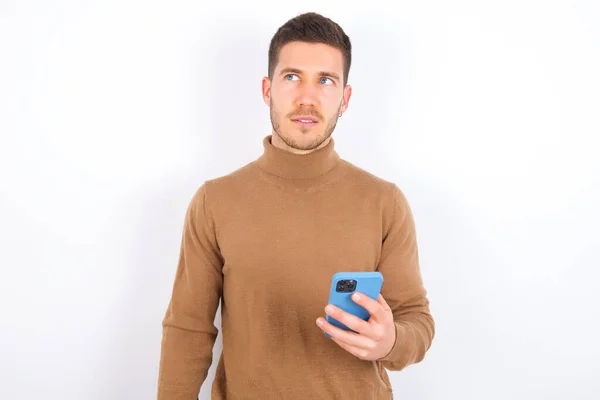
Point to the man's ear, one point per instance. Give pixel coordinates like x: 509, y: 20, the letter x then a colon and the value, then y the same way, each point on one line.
x: 266, y: 90
x: 346, y: 98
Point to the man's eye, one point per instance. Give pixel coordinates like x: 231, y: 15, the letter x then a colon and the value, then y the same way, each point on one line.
x: 290, y: 75
x: 323, y: 78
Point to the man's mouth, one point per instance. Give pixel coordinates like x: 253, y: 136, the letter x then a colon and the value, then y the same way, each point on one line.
x: 305, y: 121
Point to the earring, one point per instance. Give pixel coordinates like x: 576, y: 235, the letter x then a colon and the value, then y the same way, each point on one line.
x: 340, y: 114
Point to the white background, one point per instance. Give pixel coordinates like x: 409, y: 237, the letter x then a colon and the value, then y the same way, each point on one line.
x: 486, y: 114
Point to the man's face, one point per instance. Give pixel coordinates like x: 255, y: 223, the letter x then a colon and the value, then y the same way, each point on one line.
x: 306, y: 95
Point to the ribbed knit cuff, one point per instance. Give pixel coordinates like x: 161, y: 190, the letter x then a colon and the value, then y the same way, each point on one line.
x: 401, y: 353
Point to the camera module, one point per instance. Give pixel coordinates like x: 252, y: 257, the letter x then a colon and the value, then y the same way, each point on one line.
x: 346, y: 285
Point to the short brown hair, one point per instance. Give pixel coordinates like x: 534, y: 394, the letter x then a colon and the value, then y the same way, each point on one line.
x: 312, y: 28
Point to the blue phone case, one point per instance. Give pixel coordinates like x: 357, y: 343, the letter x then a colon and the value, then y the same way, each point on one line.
x: 368, y: 283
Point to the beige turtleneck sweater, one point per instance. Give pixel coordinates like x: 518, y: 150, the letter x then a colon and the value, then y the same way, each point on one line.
x: 265, y: 240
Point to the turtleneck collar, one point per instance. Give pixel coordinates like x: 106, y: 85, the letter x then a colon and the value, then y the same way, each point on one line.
x: 287, y: 165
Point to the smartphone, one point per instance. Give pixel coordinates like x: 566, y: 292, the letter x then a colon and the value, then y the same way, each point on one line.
x: 344, y: 285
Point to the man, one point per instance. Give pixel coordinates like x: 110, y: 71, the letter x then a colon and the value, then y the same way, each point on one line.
x: 266, y: 239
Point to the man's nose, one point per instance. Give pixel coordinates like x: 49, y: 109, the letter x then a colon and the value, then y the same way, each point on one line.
x: 307, y: 96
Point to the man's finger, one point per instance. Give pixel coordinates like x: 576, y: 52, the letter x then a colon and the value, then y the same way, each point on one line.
x: 356, y: 351
x: 342, y: 335
x: 351, y: 321
x: 384, y: 303
x: 372, y: 306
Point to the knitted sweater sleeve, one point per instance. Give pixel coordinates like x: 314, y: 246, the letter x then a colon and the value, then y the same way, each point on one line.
x: 403, y: 287
x: 189, y: 332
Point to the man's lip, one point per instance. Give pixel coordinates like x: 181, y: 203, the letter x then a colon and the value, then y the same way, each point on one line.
x: 313, y: 119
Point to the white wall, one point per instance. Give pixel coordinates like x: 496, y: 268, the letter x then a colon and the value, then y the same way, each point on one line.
x: 485, y: 113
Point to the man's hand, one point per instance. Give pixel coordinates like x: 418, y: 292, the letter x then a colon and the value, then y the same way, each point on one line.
x: 375, y: 337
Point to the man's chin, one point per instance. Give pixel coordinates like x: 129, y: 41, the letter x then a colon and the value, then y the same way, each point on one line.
x: 305, y: 141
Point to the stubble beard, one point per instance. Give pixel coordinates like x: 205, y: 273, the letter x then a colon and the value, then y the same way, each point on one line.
x: 288, y: 139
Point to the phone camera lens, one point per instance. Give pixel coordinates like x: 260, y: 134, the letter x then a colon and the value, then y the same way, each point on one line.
x: 346, y: 285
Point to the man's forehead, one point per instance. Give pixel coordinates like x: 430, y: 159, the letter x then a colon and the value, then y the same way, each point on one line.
x: 310, y: 57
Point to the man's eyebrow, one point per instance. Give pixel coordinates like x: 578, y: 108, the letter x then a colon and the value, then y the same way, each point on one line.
x: 297, y: 71
x: 290, y: 70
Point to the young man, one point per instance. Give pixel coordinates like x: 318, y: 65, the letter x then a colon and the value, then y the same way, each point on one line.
x: 266, y: 240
